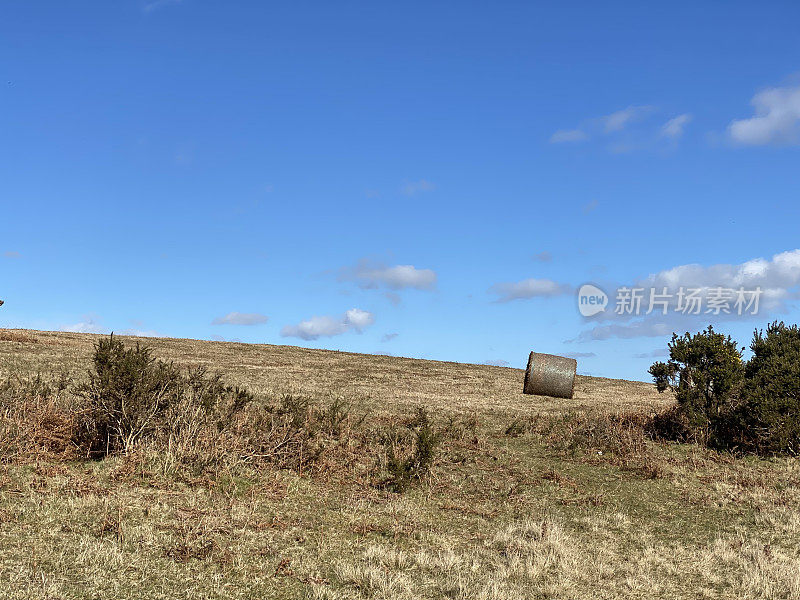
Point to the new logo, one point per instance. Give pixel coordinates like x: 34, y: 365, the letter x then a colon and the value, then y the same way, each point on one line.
x: 591, y: 300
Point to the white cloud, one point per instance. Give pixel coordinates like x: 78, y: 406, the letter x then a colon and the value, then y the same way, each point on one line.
x: 608, y: 124
x: 403, y: 276
x: 657, y: 353
x: 528, y: 288
x: 353, y: 320
x: 374, y: 275
x: 415, y: 187
x: 237, y: 318
x: 778, y: 278
x: 219, y: 338
x: 622, y: 118
x: 775, y: 276
x: 776, y: 119
x: 673, y: 128
x: 568, y: 136
x: 89, y: 324
x: 496, y: 362
x: 642, y: 328
x: 358, y: 319
x: 150, y: 333
x: 315, y: 327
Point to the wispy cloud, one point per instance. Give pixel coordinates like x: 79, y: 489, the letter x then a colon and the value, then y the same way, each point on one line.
x: 87, y: 324
x: 621, y: 119
x: 219, y: 338
x: 92, y: 324
x: 631, y: 129
x: 237, y: 318
x: 673, y: 129
x: 411, y: 188
x: 568, y: 136
x: 590, y: 206
x: 374, y: 275
x: 11, y: 254
x: 657, y: 326
x: 657, y: 353
x: 496, y: 362
x: 528, y: 288
x: 778, y: 278
x: 157, y: 4
x: 577, y: 355
x: 389, y: 337
x: 353, y: 320
x: 775, y: 276
x: 393, y: 297
x: 776, y: 120
x: 147, y: 333
x: 602, y: 126
x: 544, y: 257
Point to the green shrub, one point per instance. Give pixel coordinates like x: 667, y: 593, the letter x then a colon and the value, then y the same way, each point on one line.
x: 301, y: 434
x: 131, y: 396
x: 704, y: 371
x: 768, y: 420
x: 671, y: 424
x: 127, y: 394
x: 199, y: 430
x: 753, y: 407
x: 410, y: 452
x: 209, y: 393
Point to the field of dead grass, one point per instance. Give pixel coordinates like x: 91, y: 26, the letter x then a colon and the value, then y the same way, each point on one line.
x: 529, y: 497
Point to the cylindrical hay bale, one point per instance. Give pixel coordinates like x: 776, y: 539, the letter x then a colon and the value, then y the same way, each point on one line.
x: 550, y: 375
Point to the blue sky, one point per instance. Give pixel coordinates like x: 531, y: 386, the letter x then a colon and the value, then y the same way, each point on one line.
x: 422, y: 179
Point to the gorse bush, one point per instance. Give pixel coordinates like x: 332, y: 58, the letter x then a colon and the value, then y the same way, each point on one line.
x: 704, y: 371
x: 726, y: 403
x: 192, y: 422
x: 770, y: 412
x: 301, y: 434
x: 128, y: 394
x: 410, y: 452
x: 131, y: 396
x: 186, y: 424
x: 199, y: 428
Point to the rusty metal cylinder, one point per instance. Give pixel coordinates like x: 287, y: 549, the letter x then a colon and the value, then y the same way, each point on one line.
x: 550, y: 375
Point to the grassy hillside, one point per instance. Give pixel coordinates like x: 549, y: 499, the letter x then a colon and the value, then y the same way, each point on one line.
x: 378, y: 382
x: 528, y: 497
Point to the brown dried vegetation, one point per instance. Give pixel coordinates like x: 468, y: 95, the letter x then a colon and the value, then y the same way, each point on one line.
x: 294, y: 493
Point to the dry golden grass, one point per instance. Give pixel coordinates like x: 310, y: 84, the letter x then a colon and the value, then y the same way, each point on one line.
x: 380, y: 382
x: 530, y: 497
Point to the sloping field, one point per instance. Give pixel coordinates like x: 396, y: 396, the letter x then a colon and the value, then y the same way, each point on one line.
x: 379, y: 382
x: 527, y: 497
